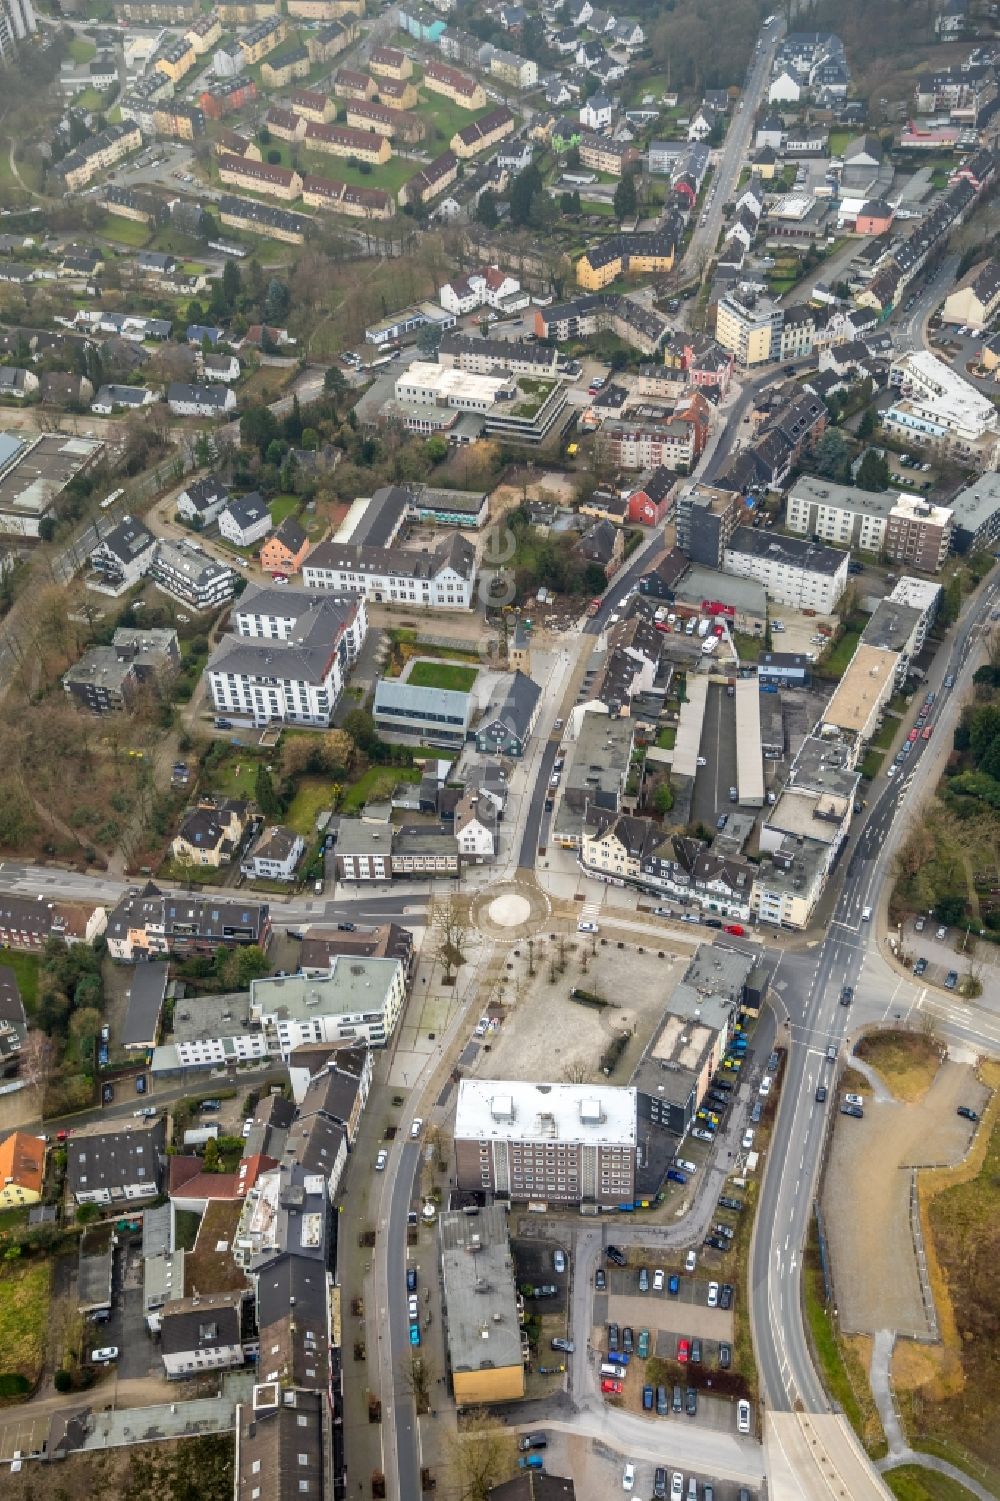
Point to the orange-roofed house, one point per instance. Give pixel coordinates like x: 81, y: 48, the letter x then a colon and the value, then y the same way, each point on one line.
x: 22, y: 1169
x: 285, y: 550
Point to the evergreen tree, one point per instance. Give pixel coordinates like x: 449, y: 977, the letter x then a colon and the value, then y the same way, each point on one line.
x: 264, y: 794
x: 873, y: 471
x: 486, y: 210
x: 626, y: 200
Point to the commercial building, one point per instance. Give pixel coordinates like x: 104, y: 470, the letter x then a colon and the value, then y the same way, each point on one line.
x: 289, y: 659
x: 856, y: 707
x: 359, y: 1000
x: 800, y: 575
x: 509, y: 717
x: 482, y: 1318
x: 598, y: 761
x: 739, y: 601
x: 148, y: 922
x: 34, y: 472
x: 438, y: 715
x: 941, y: 411
x: 424, y: 384
x: 116, y: 1165
x: 546, y: 1144
x: 751, y: 329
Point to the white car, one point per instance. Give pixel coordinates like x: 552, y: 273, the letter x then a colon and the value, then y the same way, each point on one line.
x: 381, y: 1160
x: 628, y: 1477
x: 685, y: 1166
x: 713, y: 1295
x: 765, y: 1085
x: 690, y: 1261
x: 743, y: 1416
x: 702, y: 761
x: 748, y: 1138
x: 677, y: 1486
x: 658, y: 1280
x: 104, y: 1356
x: 412, y: 1309
x: 416, y: 1128
x: 853, y: 1099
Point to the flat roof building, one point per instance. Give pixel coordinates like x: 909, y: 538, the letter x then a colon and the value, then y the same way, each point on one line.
x: 483, y: 1326
x: 862, y: 693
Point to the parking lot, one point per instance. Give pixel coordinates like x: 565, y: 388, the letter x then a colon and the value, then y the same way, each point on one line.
x: 597, y: 1466
x: 718, y: 747
x: 948, y: 953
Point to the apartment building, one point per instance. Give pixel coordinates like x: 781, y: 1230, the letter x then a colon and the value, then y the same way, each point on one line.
x: 675, y: 442
x: 840, y: 514
x: 976, y: 299
x: 431, y: 181
x: 112, y: 679
x: 482, y: 134
x: 546, y: 1143
x: 98, y: 154
x: 263, y: 219
x: 359, y: 1000
x: 443, y: 579
x: 148, y: 922
x: 937, y: 408
x: 260, y: 177
x: 483, y: 1324
x: 626, y: 255
x: 751, y: 329
x: 707, y: 520
x: 344, y: 198
x: 344, y: 140
x: 390, y: 62
x: 799, y: 575
x: 263, y: 38
x: 602, y: 154
x: 518, y: 72
x: 289, y: 658
x: 918, y: 534
x: 384, y: 121
x: 279, y: 72
x: 187, y: 573
x: 462, y: 90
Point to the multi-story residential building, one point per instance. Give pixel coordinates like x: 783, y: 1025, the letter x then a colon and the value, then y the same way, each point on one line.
x: 442, y: 579
x: 176, y: 59
x: 289, y: 659
x: 274, y: 855
x: 509, y: 718
x: 260, y: 177
x: 204, y: 32
x: 518, y: 72
x: 149, y: 922
x: 245, y: 520
x: 123, y: 556
x: 263, y: 38
x: 116, y: 1165
x: 279, y: 72
x: 430, y: 181
x: 344, y: 140
x: 750, y: 328
x: 188, y: 573
x: 345, y: 198
x: 626, y: 255
x: 98, y: 154
x: 383, y: 120
x: 706, y: 521
x: 675, y: 442
x: 390, y: 62
x: 602, y: 154
x: 360, y: 999
x: 977, y: 514
x: 462, y: 90
x: 112, y: 679
x: 922, y: 595
x: 918, y: 533
x: 492, y: 356
x: 599, y: 756
x: 207, y: 1332
x: 489, y: 130
x: 799, y: 575
x: 976, y: 299
x: 839, y: 514
x: 939, y: 409
x: 640, y: 327
x: 546, y: 1143
x: 263, y: 219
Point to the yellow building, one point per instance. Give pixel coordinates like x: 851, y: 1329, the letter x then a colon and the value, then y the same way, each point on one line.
x: 260, y: 177
x: 291, y: 68
x: 343, y: 198
x: 22, y: 1169
x: 98, y: 154
x: 262, y: 39
x: 482, y: 134
x: 210, y: 834
x: 389, y: 62
x: 344, y: 140
x: 246, y: 12
x: 325, y: 10
x: 749, y: 330
x: 178, y: 121
x: 311, y: 104
x: 176, y: 60
x: 204, y: 33
x: 462, y: 90
x: 398, y: 93
x: 485, y: 1350
x: 601, y: 265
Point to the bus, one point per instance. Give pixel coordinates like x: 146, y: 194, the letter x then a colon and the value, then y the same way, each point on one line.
x: 107, y: 503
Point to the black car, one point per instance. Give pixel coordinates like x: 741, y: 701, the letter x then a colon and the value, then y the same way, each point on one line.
x: 716, y: 1243
x: 347, y: 927
x: 920, y: 967
x: 600, y: 1279
x: 726, y: 1231
x: 628, y: 1339
x: 847, y: 995
x: 735, y: 1204
x: 723, y: 1084
x: 772, y: 1062
x: 696, y: 1352
x: 691, y: 1401
x: 718, y: 1099
x: 107, y: 1093
x: 820, y: 1094
x: 612, y: 1336
x: 725, y: 1357
x: 967, y: 1113
x: 726, y: 1295
x: 756, y: 1113
x: 411, y: 1279
x: 660, y: 1483
x: 616, y: 1254
x: 853, y: 1110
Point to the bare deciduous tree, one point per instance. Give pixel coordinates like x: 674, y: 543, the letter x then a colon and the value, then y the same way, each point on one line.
x: 480, y: 1456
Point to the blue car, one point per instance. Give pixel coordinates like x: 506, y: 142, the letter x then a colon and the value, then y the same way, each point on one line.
x: 411, y: 1279
x: 674, y: 1176
x: 673, y: 1284
x: 647, y: 1399
x: 414, y: 1334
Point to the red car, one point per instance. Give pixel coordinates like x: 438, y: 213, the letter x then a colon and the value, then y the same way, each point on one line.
x: 735, y: 929
x: 683, y: 1350
x: 927, y: 732
x: 913, y: 735
x: 611, y: 1388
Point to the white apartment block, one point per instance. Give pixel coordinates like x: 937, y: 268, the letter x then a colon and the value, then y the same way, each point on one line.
x: 923, y: 595
x: 839, y: 514
x: 290, y: 657
x: 441, y: 580
x: 799, y: 575
x: 359, y: 1001
x: 938, y: 408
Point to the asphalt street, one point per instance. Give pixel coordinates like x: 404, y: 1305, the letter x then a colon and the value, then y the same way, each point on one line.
x: 810, y: 988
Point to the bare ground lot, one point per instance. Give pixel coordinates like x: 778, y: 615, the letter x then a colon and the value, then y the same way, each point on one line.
x: 557, y: 1038
x: 874, y: 1264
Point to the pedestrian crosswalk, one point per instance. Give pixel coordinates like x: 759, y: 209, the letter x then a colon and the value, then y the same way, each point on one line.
x: 590, y: 911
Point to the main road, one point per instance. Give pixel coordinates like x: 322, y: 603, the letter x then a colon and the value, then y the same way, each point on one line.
x: 817, y: 1023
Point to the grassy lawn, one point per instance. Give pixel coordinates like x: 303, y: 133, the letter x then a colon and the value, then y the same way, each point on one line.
x: 589, y: 207
x: 907, y: 1061
x: 442, y: 675
x: 236, y: 777
x: 89, y: 99
x: 749, y: 647
x: 311, y: 798
x: 843, y: 1375
x: 886, y: 734
x: 914, y: 1483
x: 24, y: 1317
x: 838, y: 140
x: 375, y: 784
x: 25, y: 967
x: 444, y: 117
x: 282, y: 506
x: 82, y: 51
x: 667, y: 738
x: 836, y: 662
x: 390, y: 175
x: 125, y: 231
x: 872, y: 764
x: 187, y: 1222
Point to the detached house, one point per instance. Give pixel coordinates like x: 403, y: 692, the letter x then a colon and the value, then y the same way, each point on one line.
x: 199, y: 401
x: 476, y: 829
x: 285, y: 550
x: 245, y: 521
x: 210, y: 833
x: 203, y: 501
x: 509, y: 717
x: 275, y: 855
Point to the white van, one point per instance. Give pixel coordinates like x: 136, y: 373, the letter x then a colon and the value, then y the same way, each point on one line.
x: 866, y: 914
x: 613, y: 1372
x: 585, y: 926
